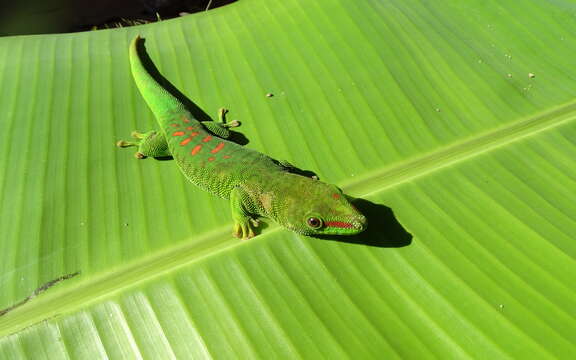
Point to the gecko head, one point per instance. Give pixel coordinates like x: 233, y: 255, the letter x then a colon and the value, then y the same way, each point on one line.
x: 317, y: 208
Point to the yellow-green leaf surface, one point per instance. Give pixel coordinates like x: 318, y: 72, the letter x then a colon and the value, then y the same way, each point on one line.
x: 459, y: 116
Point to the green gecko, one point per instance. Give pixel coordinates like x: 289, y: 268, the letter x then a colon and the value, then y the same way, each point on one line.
x: 255, y: 184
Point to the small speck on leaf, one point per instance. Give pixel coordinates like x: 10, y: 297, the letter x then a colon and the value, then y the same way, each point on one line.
x: 269, y: 95
x: 509, y: 75
x: 531, y: 75
x: 437, y: 110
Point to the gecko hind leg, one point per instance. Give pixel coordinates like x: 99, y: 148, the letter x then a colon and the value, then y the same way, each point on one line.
x: 151, y: 143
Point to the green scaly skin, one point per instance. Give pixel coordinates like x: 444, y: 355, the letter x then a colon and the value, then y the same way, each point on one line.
x: 255, y: 184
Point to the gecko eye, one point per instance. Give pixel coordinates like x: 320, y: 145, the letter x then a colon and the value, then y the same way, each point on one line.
x: 314, y: 222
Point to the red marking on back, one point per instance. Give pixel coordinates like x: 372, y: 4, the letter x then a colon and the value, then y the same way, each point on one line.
x: 185, y: 141
x: 178, y: 133
x: 226, y: 156
x: 194, y: 133
x: 211, y: 158
x: 207, y: 138
x: 336, y: 196
x: 185, y: 120
x: 339, y: 224
x: 196, y: 149
x: 190, y: 128
x: 175, y: 125
x: 218, y: 148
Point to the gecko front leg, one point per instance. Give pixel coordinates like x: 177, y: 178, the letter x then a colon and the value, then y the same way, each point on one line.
x: 221, y: 128
x: 243, y: 222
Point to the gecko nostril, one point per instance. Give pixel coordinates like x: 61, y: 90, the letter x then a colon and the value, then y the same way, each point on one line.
x: 360, y: 223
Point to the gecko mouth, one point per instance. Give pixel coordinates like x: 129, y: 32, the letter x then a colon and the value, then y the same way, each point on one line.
x: 339, y: 224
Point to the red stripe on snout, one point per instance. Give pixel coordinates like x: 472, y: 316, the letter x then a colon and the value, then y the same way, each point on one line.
x: 339, y: 224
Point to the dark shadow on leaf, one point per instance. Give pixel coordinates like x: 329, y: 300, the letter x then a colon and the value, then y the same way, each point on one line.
x: 296, y: 170
x: 383, y: 228
x: 238, y: 138
x: 196, y: 111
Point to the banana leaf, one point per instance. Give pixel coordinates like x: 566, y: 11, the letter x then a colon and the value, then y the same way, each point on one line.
x: 453, y: 124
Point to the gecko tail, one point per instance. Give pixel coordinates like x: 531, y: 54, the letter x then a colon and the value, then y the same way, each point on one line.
x: 163, y: 104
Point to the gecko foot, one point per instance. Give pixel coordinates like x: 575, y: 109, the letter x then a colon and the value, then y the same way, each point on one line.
x: 222, y: 119
x: 233, y: 123
x: 244, y: 230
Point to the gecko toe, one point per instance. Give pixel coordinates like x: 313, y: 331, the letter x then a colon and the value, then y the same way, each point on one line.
x: 137, y: 135
x: 237, y: 232
x: 122, y: 143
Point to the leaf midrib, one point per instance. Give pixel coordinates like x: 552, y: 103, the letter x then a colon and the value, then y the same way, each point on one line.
x: 410, y: 169
x: 148, y: 268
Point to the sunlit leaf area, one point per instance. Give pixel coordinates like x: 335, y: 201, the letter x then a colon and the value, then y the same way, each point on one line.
x: 452, y: 123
